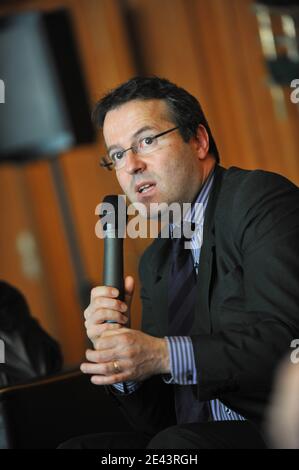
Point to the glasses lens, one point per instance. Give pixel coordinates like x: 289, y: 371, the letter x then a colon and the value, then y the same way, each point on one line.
x: 147, y: 144
x: 118, y: 158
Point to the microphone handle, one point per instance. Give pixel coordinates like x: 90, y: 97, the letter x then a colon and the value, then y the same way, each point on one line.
x: 113, y: 274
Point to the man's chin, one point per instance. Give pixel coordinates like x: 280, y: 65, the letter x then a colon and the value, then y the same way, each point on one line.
x: 150, y: 210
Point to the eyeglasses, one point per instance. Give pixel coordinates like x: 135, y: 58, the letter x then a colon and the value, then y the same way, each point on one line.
x: 116, y: 159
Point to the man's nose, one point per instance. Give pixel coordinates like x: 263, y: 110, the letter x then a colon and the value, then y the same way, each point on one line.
x: 133, y: 163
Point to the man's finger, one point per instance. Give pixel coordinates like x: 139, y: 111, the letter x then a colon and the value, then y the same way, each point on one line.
x: 109, y: 380
x: 101, y: 369
x: 100, y: 356
x: 104, y: 314
x: 96, y: 331
x: 129, y: 289
x: 117, y: 339
x: 103, y: 291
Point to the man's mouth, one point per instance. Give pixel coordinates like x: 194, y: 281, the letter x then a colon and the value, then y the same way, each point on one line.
x: 142, y: 188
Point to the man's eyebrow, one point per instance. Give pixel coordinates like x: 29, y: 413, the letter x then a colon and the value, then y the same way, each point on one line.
x: 142, y: 129
x: 136, y: 134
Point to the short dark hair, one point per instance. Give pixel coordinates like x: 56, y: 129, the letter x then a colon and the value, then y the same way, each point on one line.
x: 184, y: 108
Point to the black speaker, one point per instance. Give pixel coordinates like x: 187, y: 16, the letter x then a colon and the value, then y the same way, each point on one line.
x: 46, y: 107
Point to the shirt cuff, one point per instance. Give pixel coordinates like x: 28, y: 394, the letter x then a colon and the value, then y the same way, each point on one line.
x: 182, y: 362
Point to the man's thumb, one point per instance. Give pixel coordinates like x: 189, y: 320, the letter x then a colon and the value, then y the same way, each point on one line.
x: 129, y: 289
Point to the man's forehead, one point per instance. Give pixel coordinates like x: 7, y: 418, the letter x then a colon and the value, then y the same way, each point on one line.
x: 146, y: 112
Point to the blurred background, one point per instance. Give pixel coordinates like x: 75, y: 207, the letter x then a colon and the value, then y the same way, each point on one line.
x: 238, y: 57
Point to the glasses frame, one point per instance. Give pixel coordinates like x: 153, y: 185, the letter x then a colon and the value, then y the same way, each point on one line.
x: 110, y: 165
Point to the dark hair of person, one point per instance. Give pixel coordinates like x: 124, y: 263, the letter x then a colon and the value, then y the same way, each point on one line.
x: 185, y: 110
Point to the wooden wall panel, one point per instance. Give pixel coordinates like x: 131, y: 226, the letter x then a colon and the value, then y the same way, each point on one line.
x: 260, y: 101
x: 210, y: 47
x: 56, y: 260
x: 106, y: 61
x: 278, y: 135
x: 21, y: 257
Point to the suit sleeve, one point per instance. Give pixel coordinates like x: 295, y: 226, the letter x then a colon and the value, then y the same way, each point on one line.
x: 243, y: 353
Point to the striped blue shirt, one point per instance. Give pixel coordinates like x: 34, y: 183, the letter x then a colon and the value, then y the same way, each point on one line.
x: 182, y: 361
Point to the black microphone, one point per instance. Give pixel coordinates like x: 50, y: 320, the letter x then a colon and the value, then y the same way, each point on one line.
x: 114, y: 218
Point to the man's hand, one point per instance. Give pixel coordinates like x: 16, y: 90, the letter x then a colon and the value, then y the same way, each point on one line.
x: 124, y: 354
x: 105, y: 306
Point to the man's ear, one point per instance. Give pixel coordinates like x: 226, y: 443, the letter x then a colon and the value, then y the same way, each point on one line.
x: 202, y: 142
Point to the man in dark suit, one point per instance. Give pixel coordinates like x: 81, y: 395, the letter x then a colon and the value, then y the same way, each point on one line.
x: 195, y: 377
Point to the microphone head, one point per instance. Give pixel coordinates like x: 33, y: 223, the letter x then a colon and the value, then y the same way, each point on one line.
x: 113, y: 213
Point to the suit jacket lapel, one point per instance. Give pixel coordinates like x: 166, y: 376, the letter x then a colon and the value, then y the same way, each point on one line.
x: 202, y: 321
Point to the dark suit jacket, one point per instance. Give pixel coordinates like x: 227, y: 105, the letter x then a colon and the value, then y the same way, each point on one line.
x: 247, y: 310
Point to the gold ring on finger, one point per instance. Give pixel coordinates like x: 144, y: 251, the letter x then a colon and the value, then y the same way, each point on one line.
x: 116, y: 367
